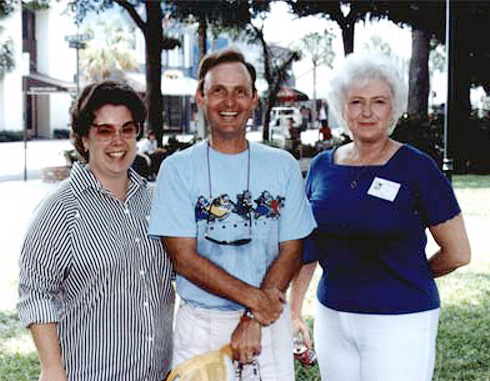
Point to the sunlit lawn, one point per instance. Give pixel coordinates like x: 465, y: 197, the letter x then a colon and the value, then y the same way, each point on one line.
x: 463, y: 347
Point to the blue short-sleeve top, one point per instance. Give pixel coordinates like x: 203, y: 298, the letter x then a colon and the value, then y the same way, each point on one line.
x: 370, y: 244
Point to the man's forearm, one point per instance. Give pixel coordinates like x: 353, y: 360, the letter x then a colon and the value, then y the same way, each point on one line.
x: 285, y: 266
x: 265, y: 304
x: 208, y: 275
x: 47, y: 343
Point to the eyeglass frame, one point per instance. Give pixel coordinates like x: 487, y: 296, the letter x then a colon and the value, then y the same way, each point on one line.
x: 117, y: 131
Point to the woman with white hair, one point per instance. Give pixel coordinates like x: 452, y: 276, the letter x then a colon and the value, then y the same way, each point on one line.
x: 373, y: 198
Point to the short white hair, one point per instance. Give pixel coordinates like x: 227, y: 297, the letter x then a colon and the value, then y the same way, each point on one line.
x: 357, y: 70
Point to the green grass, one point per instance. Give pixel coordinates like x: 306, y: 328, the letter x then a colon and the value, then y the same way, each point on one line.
x: 463, y: 344
x: 18, y: 359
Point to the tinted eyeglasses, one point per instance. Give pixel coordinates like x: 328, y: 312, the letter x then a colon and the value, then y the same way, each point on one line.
x: 108, y: 132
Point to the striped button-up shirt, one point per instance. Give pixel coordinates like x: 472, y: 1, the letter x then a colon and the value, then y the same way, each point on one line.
x: 88, y: 265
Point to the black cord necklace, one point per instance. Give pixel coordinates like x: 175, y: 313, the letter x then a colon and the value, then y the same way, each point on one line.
x: 209, y: 170
x: 354, y: 183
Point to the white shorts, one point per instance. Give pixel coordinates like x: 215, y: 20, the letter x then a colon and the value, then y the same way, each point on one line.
x: 367, y: 347
x: 199, y: 330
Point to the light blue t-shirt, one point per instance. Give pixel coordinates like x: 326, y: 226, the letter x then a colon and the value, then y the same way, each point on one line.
x: 193, y: 199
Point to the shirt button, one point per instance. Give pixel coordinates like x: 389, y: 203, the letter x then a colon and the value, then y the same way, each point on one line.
x: 146, y: 304
x: 147, y: 218
x: 137, y: 240
x: 142, y: 272
x: 126, y: 211
x: 77, y: 215
x: 150, y: 339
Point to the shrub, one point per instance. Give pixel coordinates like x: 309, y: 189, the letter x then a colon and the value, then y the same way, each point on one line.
x: 61, y: 133
x: 469, y: 143
x: 11, y: 136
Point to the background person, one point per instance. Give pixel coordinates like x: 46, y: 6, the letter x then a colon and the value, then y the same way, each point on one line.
x: 149, y: 144
x: 373, y: 198
x: 94, y: 289
x: 153, y: 156
x: 232, y: 214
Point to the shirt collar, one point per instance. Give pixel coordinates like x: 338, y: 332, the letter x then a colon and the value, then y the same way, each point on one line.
x: 81, y: 179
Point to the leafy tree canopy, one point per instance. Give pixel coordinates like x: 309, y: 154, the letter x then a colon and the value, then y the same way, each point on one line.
x: 7, y: 62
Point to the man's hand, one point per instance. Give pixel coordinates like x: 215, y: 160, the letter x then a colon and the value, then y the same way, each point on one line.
x: 269, y: 306
x: 245, y: 340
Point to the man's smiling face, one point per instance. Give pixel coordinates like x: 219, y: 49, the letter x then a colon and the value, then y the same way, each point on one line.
x: 228, y: 99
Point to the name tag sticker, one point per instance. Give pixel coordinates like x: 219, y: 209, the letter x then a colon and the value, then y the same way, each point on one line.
x: 385, y: 189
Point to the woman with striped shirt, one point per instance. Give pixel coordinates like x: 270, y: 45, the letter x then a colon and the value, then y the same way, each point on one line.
x: 94, y: 289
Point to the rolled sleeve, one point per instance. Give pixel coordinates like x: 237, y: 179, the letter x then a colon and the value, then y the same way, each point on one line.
x: 40, y: 266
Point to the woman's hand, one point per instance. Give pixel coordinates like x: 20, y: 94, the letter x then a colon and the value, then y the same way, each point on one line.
x: 300, y: 328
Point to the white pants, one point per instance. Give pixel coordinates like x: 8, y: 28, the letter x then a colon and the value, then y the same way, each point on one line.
x: 199, y: 330
x: 366, y: 347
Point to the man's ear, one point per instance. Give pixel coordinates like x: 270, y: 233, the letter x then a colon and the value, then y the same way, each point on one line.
x: 199, y: 98
x: 255, y: 99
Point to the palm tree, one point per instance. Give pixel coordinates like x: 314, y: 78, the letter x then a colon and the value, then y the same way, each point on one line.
x: 111, y: 57
x: 319, y: 48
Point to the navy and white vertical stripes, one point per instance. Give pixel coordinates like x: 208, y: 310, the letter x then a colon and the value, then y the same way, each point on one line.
x: 88, y: 265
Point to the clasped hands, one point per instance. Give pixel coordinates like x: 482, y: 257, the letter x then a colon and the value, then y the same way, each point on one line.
x: 266, y: 306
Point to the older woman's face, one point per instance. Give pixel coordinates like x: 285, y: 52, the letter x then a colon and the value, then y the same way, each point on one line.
x: 368, y: 110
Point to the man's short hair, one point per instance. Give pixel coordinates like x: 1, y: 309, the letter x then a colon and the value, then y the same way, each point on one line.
x: 95, y: 96
x: 223, y: 56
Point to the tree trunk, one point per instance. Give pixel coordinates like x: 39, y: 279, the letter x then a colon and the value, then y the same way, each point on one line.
x: 314, y: 113
x: 202, y: 36
x: 267, y: 120
x: 154, y: 43
x: 202, y: 131
x: 459, y: 138
x: 348, y: 37
x: 271, y: 102
x: 418, y: 82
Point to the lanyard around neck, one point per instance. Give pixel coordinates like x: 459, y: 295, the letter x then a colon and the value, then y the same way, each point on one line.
x: 209, y: 169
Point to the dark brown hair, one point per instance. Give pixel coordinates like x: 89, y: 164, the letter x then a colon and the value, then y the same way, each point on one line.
x: 224, y: 56
x: 95, y: 96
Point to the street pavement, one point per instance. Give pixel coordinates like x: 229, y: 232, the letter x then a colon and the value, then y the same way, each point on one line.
x: 37, y: 155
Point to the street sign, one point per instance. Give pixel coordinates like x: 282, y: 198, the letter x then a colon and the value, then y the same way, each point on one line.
x: 79, y: 37
x: 77, y: 44
x: 43, y: 90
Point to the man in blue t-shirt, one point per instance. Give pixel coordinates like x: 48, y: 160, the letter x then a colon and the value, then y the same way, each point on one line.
x: 232, y: 215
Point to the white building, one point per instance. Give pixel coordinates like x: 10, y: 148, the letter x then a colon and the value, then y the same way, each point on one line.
x: 36, y: 94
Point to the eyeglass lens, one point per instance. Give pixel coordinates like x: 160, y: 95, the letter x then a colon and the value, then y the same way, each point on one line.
x: 109, y: 132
